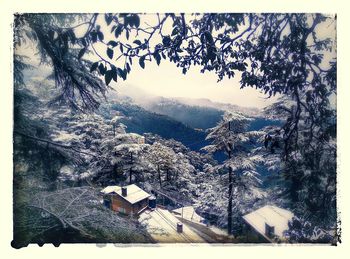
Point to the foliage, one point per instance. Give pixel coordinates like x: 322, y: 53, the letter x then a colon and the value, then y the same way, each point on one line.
x: 78, y: 213
x: 309, y: 170
x: 242, y: 179
x: 302, y: 231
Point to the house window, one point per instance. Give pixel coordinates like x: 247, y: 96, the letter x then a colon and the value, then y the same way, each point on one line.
x: 269, y: 230
x: 122, y: 210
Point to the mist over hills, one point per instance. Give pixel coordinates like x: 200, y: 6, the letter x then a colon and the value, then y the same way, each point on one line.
x: 180, y: 118
x: 139, y: 120
x: 197, y: 113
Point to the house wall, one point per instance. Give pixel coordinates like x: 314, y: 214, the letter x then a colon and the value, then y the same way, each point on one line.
x: 252, y: 236
x: 140, y: 205
x: 120, y: 205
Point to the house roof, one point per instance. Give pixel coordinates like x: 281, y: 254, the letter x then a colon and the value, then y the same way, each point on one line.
x: 162, y: 226
x: 134, y: 193
x: 189, y: 213
x: 271, y: 215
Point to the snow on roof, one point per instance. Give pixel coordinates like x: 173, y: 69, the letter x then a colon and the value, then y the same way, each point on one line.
x: 134, y: 193
x: 273, y: 216
x: 162, y: 226
x: 189, y: 213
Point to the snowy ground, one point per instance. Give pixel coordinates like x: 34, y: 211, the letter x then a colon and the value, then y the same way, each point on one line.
x: 161, y: 225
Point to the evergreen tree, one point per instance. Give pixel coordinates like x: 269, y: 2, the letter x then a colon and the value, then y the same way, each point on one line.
x: 230, y: 136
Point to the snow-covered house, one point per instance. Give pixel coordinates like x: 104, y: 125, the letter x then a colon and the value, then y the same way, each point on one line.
x: 130, y: 200
x: 267, y: 223
x: 188, y: 213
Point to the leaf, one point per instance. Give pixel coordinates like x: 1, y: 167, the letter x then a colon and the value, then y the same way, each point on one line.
x: 157, y: 57
x: 100, y: 35
x: 93, y: 35
x: 127, y: 34
x: 108, y: 77
x: 93, y: 67
x: 118, y: 31
x: 114, y: 73
x: 142, y: 61
x: 128, y: 67
x: 137, y: 21
x: 122, y: 73
x: 112, y: 43
x: 102, y: 69
x: 81, y: 53
x: 138, y: 42
x: 108, y: 18
x: 110, y: 53
x: 166, y: 41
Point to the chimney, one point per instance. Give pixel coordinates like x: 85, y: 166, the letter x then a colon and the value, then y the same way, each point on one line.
x: 179, y: 227
x: 124, y: 191
x: 152, y: 202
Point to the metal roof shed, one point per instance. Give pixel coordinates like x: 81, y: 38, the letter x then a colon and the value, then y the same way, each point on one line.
x: 269, y: 221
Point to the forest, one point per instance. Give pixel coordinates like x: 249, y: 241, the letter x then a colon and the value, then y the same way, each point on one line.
x: 73, y: 135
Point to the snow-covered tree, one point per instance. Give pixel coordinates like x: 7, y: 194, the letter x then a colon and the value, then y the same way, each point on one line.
x: 128, y: 153
x: 308, y: 165
x: 161, y: 159
x: 231, y: 137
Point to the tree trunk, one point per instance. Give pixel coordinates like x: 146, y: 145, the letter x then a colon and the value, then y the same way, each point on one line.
x: 230, y: 187
x: 130, y: 175
x: 167, y: 175
x: 130, y: 170
x: 229, y: 207
x: 115, y: 172
x: 159, y: 177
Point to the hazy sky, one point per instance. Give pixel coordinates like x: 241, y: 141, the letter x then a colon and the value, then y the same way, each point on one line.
x: 167, y: 80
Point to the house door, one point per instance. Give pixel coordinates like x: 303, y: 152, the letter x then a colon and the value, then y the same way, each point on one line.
x: 107, y: 203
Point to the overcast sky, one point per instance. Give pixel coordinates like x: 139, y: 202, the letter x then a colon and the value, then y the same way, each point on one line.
x: 167, y: 80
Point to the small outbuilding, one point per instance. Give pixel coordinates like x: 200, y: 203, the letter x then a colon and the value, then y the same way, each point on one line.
x: 129, y: 200
x: 267, y: 223
x: 188, y: 213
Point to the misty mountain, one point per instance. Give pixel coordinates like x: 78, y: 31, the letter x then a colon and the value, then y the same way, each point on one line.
x: 195, y: 113
x: 140, y: 121
x: 193, y: 116
x: 148, y: 101
x: 204, y: 102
